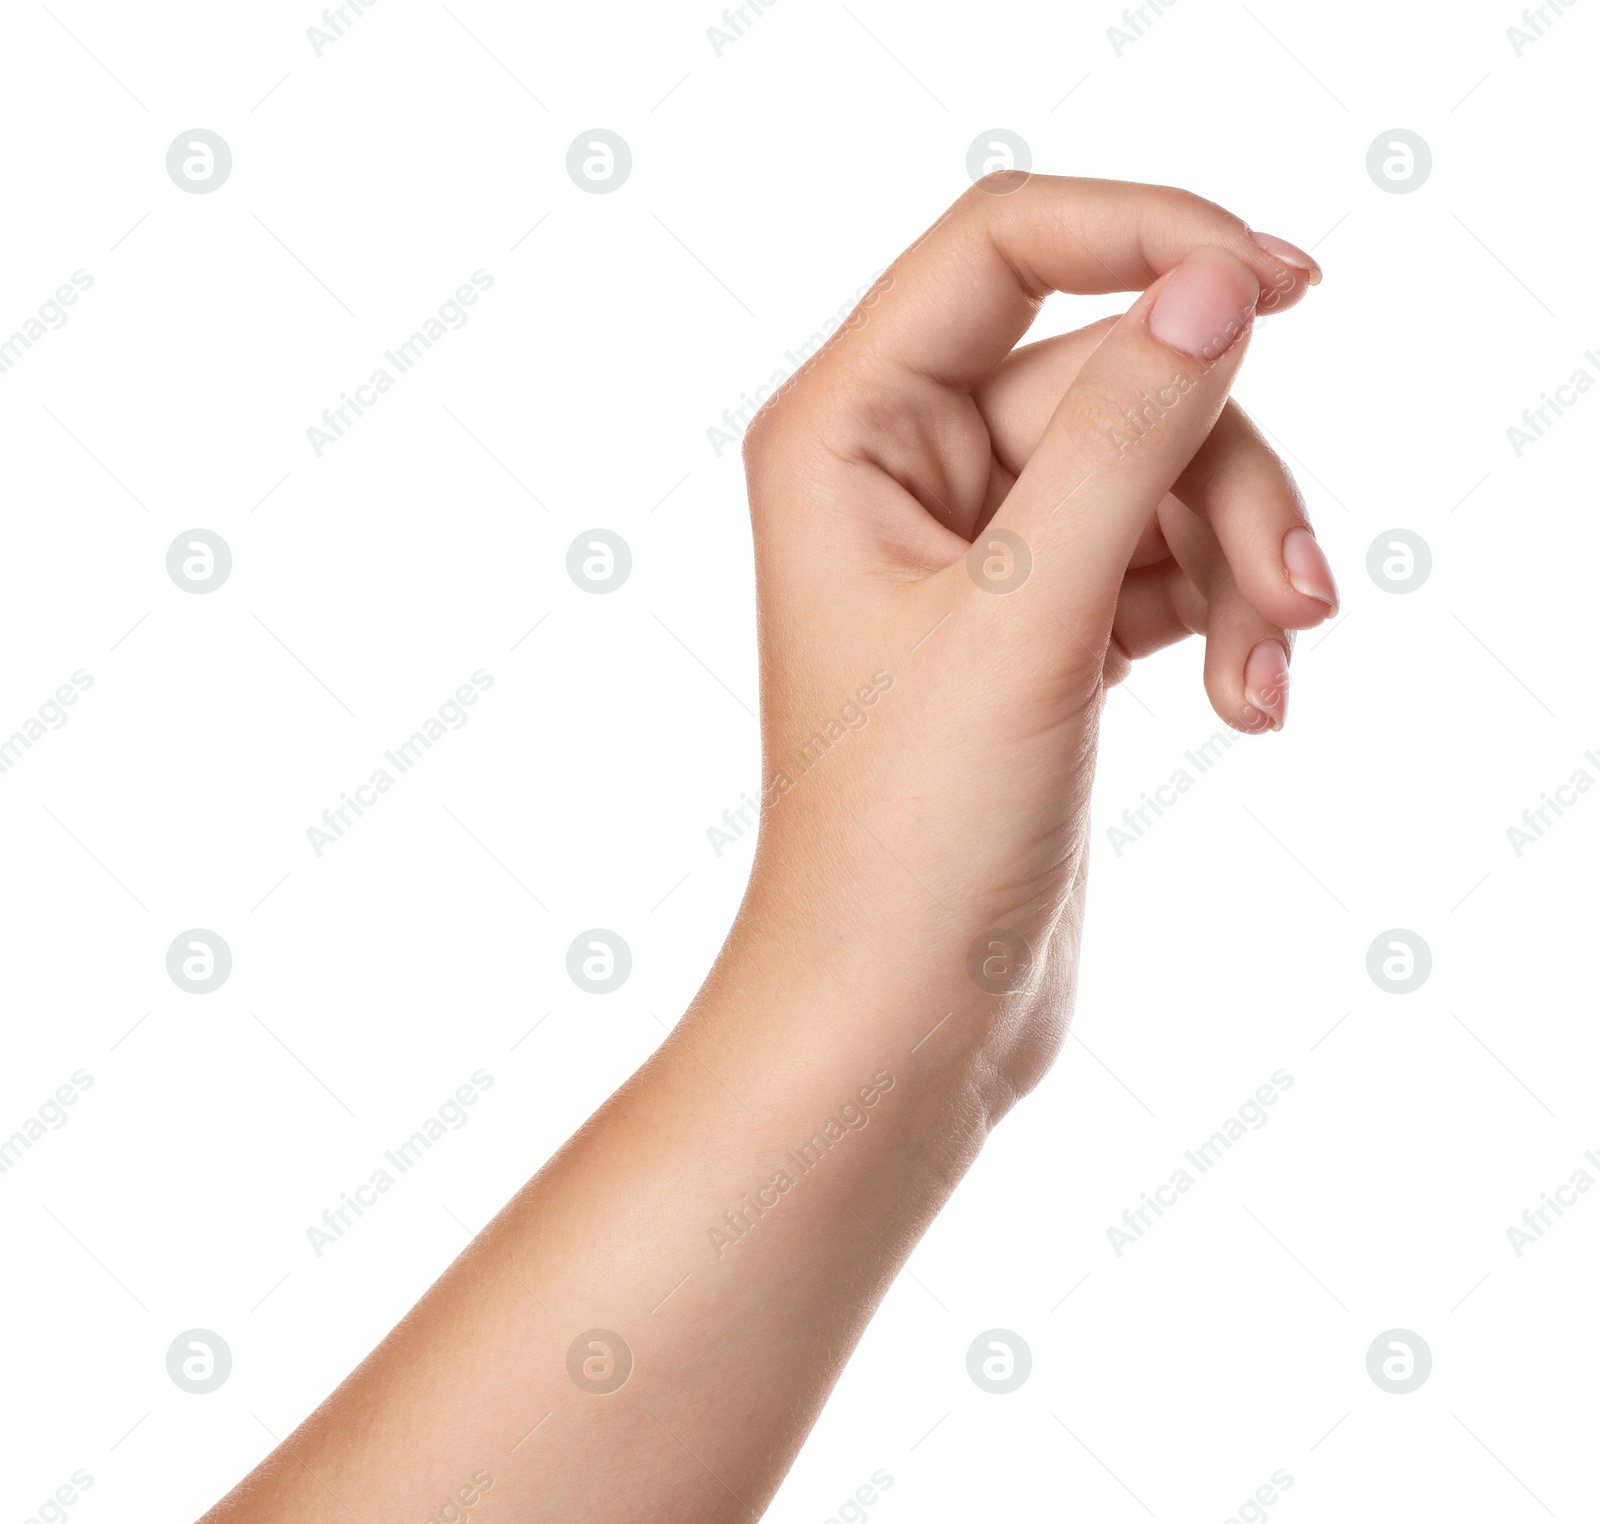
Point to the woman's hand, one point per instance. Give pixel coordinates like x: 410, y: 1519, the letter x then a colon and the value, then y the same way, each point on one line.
x: 961, y: 545
x: 958, y: 548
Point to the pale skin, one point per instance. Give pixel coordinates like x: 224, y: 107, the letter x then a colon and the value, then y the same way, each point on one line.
x: 1150, y: 509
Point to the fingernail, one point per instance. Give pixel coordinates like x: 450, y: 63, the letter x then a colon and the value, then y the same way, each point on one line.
x: 1206, y: 305
x: 1308, y: 568
x: 1266, y: 681
x: 1287, y: 254
x: 1253, y: 721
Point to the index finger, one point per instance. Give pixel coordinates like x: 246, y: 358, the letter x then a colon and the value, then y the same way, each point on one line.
x: 958, y: 300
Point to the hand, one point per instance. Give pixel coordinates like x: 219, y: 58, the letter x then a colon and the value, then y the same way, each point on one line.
x: 960, y: 545
x: 930, y: 725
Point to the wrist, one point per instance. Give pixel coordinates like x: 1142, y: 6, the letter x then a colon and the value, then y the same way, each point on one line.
x: 813, y: 975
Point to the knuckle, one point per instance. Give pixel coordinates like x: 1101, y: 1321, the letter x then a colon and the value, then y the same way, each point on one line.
x: 1254, y: 471
x: 1105, y: 423
x: 1094, y: 428
x: 775, y: 423
x: 784, y: 438
x: 757, y: 441
x: 999, y: 182
x: 1191, y: 207
x: 1094, y: 422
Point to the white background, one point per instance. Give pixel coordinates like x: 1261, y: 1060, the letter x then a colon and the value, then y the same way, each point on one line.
x: 769, y: 183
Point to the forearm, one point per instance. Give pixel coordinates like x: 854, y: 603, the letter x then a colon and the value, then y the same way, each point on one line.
x: 734, y: 1213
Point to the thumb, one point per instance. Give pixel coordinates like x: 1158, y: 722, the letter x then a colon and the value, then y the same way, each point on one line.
x: 1127, y: 427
